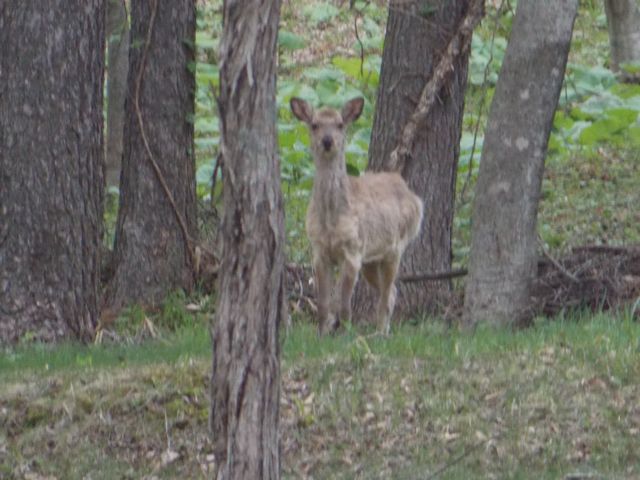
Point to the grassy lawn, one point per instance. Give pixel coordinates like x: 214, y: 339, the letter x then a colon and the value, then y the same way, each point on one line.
x: 557, y: 399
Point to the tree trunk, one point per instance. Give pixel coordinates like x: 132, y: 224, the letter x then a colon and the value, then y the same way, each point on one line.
x: 413, y: 43
x: 118, y: 68
x: 51, y: 157
x: 151, y: 255
x: 623, y: 20
x: 503, y: 250
x: 246, y: 373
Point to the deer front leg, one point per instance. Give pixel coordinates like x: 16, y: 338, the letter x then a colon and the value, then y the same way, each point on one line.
x: 388, y: 272
x: 348, y: 278
x: 323, y: 288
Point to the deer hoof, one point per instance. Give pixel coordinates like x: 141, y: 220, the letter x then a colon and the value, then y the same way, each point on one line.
x: 330, y: 325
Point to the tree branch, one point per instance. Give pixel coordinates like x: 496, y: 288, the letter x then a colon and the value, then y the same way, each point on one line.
x: 423, y: 277
x: 459, y: 45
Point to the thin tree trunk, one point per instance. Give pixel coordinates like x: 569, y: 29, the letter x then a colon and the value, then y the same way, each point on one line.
x: 118, y: 68
x: 152, y: 252
x: 417, y: 33
x: 51, y: 160
x: 245, y: 384
x: 623, y: 20
x: 503, y: 251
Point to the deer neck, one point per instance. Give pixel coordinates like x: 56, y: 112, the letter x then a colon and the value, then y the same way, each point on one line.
x: 331, y: 194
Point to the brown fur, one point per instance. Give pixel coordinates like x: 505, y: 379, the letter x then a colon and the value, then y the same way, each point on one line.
x: 354, y: 223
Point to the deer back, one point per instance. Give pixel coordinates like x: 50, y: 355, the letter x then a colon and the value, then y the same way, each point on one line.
x: 388, y: 214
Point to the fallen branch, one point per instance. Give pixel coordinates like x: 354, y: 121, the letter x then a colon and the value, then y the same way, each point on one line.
x: 459, y: 45
x: 424, y: 277
x: 557, y: 264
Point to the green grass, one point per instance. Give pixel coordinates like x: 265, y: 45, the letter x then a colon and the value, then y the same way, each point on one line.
x: 191, y: 341
x: 557, y: 398
x: 424, y: 340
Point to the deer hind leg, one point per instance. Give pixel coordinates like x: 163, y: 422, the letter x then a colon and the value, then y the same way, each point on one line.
x: 371, y: 273
x: 388, y: 271
x: 323, y: 287
x: 348, y: 277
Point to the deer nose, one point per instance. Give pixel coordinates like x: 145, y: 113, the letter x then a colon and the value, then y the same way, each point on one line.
x: 327, y: 142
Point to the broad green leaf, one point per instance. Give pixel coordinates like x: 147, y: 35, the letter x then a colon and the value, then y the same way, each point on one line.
x: 632, y: 68
x: 562, y: 121
x: 320, y: 12
x: 324, y: 73
x: 634, y: 136
x: 626, y: 90
x: 290, y: 41
x: 574, y: 132
x: 204, y: 172
x: 555, y: 144
x: 350, y: 66
x: 206, y: 41
x: 207, y: 142
x: 633, y: 103
x: 288, y: 135
x: 596, y: 105
x: 207, y: 73
x: 590, y: 79
x: 605, y: 128
x: 207, y: 125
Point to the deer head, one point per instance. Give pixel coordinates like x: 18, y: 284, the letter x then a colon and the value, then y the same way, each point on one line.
x: 327, y: 126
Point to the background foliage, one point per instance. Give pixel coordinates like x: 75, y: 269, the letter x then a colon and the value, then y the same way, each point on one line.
x: 592, y: 167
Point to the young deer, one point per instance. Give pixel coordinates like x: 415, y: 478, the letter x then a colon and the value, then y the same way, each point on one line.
x: 355, y: 223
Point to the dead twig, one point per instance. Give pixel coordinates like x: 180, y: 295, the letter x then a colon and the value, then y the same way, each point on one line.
x: 355, y: 27
x: 459, y: 45
x: 423, y: 277
x: 557, y: 264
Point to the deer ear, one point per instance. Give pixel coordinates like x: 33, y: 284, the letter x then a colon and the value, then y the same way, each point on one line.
x: 301, y: 109
x: 352, y: 110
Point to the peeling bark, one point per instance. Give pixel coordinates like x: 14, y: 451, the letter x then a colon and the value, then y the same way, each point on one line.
x: 245, y: 384
x: 503, y: 257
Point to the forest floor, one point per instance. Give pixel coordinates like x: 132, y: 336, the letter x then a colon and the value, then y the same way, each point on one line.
x: 556, y: 401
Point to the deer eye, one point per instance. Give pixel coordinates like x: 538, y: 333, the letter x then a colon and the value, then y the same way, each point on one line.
x: 314, y: 126
x: 341, y: 125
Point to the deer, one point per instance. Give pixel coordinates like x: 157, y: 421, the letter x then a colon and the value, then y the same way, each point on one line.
x: 354, y: 224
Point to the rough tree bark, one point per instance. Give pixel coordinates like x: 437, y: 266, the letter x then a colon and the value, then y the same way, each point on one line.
x: 152, y: 245
x: 117, y: 70
x: 51, y: 66
x: 246, y: 373
x: 623, y: 20
x: 414, y: 41
x: 503, y: 250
